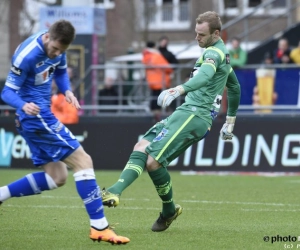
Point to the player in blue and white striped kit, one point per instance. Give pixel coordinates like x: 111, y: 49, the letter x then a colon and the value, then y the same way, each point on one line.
x: 36, y: 61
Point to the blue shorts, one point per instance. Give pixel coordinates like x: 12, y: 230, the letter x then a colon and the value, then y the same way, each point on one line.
x: 48, y: 139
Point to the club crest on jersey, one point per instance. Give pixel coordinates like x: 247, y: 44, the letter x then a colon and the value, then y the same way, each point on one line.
x: 161, y: 135
x: 16, y: 70
x: 40, y: 64
x: 210, y: 60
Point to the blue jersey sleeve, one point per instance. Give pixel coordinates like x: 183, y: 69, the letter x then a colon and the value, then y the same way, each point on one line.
x: 17, y: 76
x: 61, y: 76
x: 14, y: 82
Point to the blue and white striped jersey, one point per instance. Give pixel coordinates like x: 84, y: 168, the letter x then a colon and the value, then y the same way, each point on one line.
x: 32, y: 72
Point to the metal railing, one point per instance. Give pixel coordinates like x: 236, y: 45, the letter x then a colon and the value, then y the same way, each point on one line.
x: 249, y: 29
x: 134, y: 96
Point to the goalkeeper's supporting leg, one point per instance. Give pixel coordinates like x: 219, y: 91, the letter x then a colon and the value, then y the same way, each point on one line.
x: 161, y: 224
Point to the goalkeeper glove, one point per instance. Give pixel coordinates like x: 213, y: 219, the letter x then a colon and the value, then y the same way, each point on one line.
x: 167, y: 96
x: 226, y: 130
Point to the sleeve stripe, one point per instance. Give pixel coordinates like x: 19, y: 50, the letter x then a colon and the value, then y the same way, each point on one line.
x: 8, y: 84
x: 19, y: 59
x: 62, y: 67
x: 210, y: 64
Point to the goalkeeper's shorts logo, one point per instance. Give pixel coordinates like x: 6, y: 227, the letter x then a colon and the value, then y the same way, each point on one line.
x: 214, y: 114
x: 161, y: 135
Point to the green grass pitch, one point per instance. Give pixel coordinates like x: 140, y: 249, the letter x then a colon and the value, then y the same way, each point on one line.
x: 220, y: 212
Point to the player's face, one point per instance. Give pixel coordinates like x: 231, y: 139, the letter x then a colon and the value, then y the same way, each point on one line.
x: 54, y: 48
x: 203, y: 36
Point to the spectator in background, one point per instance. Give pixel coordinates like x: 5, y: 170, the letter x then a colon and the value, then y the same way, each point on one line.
x: 158, y: 76
x: 72, y: 78
x: 108, y: 95
x: 63, y: 111
x: 295, y: 54
x: 282, y: 53
x: 163, y: 48
x: 268, y: 58
x: 163, y: 43
x: 238, y: 56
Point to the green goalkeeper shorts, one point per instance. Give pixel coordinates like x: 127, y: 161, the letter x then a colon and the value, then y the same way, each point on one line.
x: 173, y: 135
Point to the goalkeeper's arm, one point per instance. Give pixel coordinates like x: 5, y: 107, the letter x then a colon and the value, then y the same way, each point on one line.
x: 233, y: 97
x: 233, y: 94
x: 206, y: 72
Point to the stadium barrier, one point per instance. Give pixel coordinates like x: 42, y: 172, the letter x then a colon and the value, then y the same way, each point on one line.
x: 261, y: 143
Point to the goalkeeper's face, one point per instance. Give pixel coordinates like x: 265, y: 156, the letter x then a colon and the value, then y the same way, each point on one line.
x: 203, y: 35
x: 53, y: 48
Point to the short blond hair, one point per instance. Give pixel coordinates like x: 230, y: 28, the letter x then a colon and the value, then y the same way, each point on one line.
x: 212, y: 18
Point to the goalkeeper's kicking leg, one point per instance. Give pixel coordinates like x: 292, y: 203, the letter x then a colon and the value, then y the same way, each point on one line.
x: 160, y: 178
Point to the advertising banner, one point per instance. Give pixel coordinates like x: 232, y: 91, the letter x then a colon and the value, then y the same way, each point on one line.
x: 86, y: 20
x: 260, y: 144
x: 269, y: 86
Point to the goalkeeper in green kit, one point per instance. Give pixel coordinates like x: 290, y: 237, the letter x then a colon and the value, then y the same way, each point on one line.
x: 189, y: 123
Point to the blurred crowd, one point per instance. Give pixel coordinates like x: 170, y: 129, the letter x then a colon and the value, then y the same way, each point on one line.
x: 283, y: 54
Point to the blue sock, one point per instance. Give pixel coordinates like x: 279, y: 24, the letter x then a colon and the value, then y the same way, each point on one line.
x: 31, y: 184
x: 90, y: 193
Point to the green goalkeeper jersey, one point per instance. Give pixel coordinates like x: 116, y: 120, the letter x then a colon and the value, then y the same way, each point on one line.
x: 211, y: 73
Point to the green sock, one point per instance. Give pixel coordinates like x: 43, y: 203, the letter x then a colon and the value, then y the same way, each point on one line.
x: 133, y: 169
x: 163, y: 184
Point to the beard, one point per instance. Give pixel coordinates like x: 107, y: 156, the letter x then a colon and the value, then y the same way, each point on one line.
x: 209, y: 41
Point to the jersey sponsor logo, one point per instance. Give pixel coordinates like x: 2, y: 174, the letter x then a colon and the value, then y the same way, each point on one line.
x: 16, y: 70
x: 10, y: 79
x: 194, y: 72
x: 44, y: 76
x: 212, y: 53
x: 161, y: 135
x: 227, y: 59
x: 210, y: 60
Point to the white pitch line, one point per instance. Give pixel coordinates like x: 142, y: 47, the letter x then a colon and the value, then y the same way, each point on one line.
x: 270, y: 210
x: 191, y: 201
x: 149, y: 208
x: 240, y: 203
x: 294, y: 181
x: 73, y: 207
